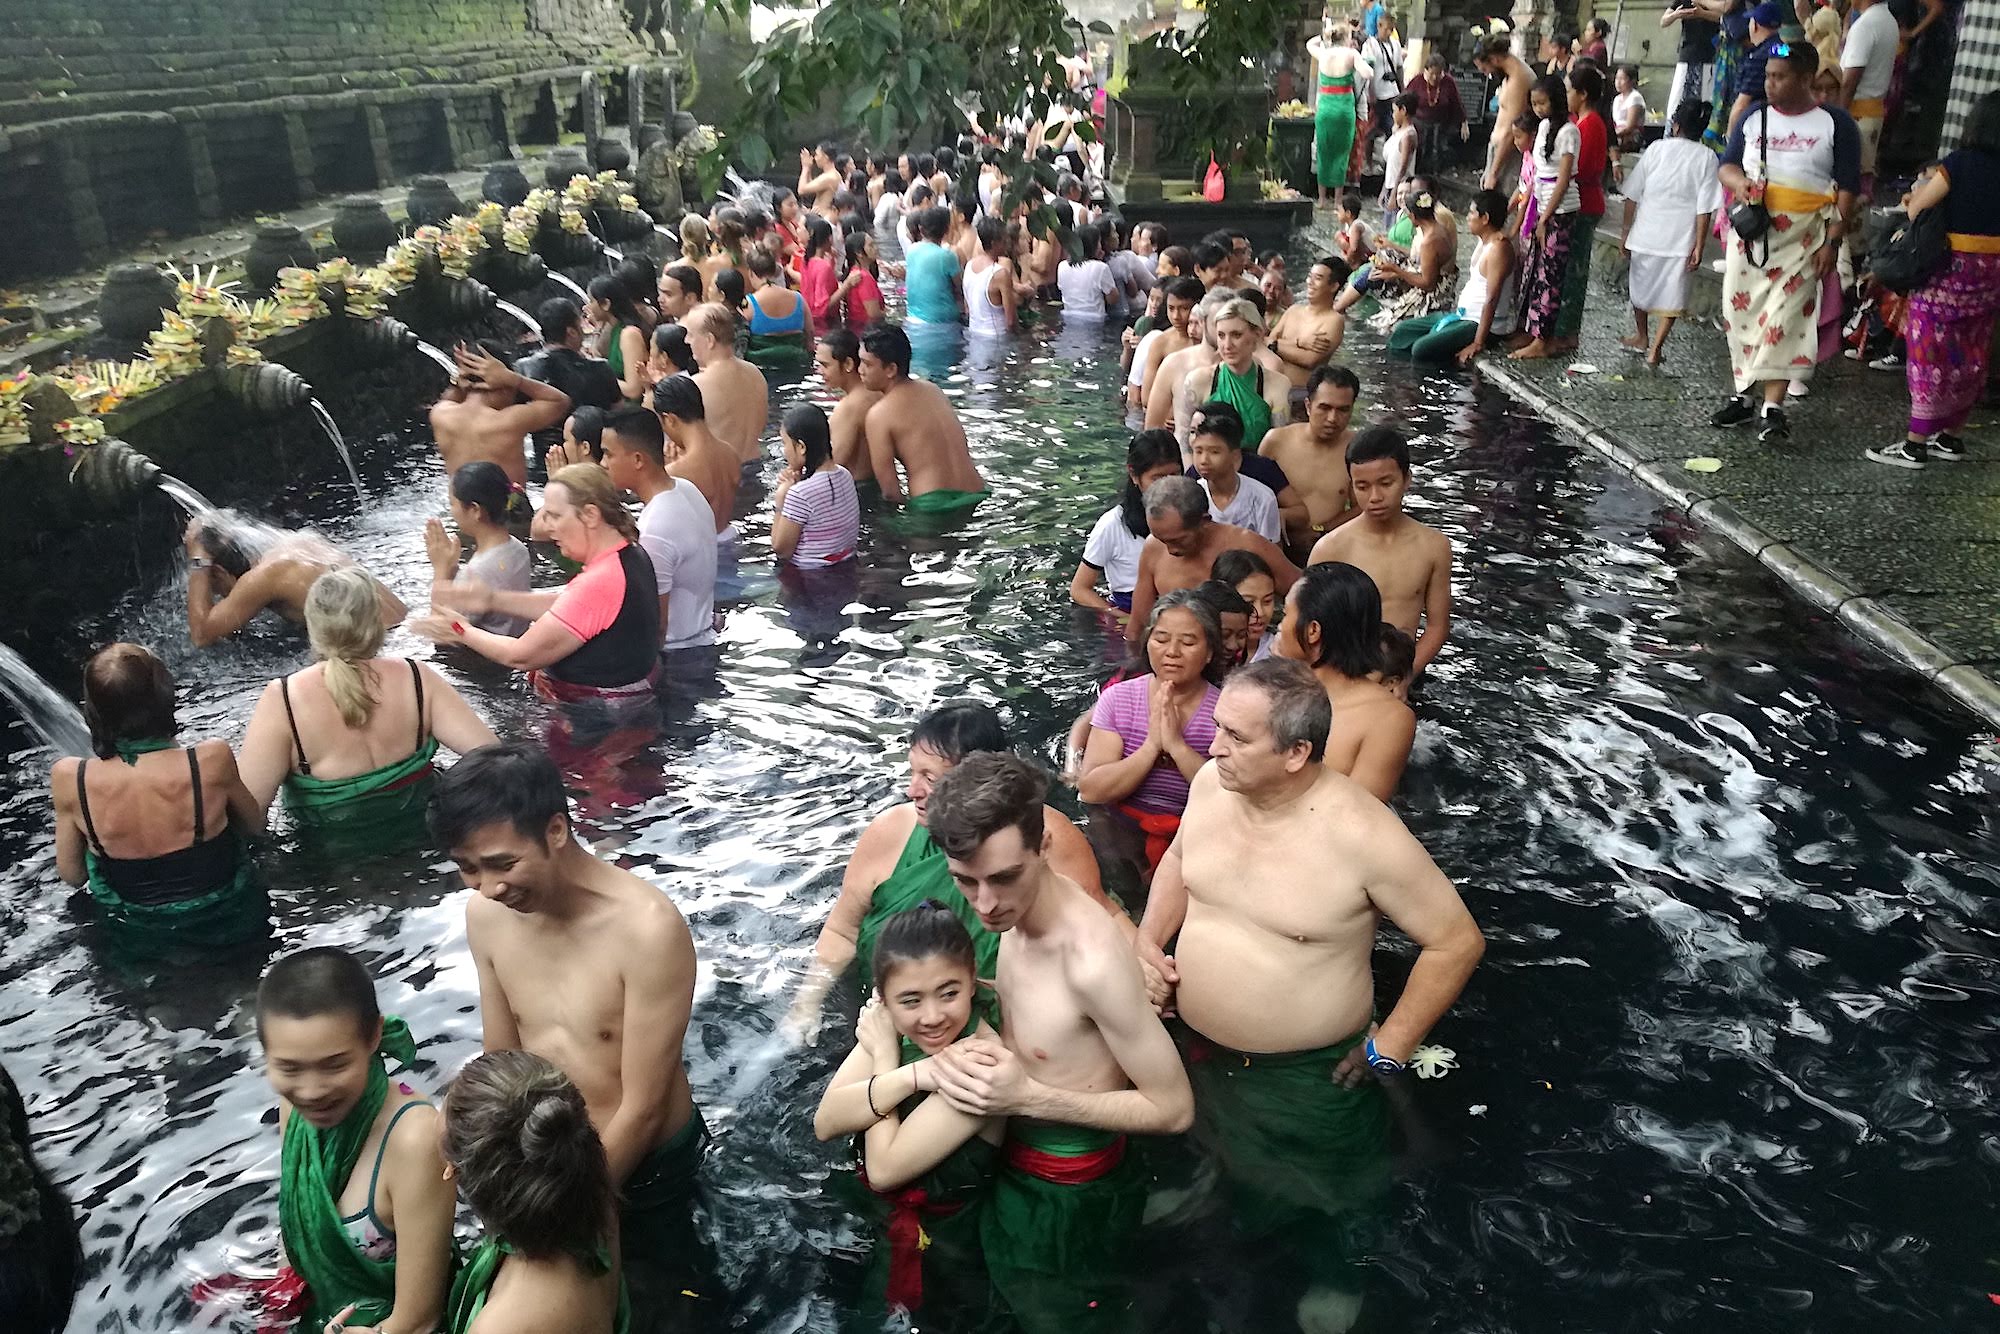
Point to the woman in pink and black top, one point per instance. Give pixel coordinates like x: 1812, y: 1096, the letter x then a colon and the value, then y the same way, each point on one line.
x: 817, y: 519
x: 1149, y: 735
x: 596, y: 637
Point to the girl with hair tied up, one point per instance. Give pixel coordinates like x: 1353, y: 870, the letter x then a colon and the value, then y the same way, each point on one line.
x: 347, y: 740
x: 816, y: 513
x: 519, y: 1143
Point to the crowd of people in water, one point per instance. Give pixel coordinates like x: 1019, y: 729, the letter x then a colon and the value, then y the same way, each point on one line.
x: 1027, y: 1030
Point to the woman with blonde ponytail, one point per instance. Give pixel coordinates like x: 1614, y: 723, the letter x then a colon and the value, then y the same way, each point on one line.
x: 344, y: 739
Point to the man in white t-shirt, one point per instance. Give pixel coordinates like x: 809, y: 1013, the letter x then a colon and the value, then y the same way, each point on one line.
x: 1383, y: 54
x: 1217, y: 444
x: 1867, y: 66
x: 676, y: 526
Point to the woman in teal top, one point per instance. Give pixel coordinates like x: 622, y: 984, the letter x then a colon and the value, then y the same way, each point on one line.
x: 155, y: 831
x: 351, y: 739
x: 613, y: 310
x: 518, y: 1140
x: 781, y: 328
x: 927, y: 1165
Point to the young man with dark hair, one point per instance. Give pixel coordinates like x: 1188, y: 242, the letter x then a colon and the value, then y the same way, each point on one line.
x: 486, y: 412
x: 1410, y: 562
x: 1303, y: 337
x: 580, y: 962
x: 587, y: 380
x: 1313, y: 454
x: 913, y: 424
x: 697, y: 456
x: 837, y: 357
x: 931, y: 290
x: 676, y: 526
x: 1082, y: 1061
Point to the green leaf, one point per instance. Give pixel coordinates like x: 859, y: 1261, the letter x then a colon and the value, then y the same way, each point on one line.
x: 756, y: 150
x: 857, y: 102
x: 1098, y: 26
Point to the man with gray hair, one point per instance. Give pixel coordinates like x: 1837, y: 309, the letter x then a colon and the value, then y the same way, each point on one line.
x: 1272, y: 972
x: 1235, y: 374
x: 1184, y: 544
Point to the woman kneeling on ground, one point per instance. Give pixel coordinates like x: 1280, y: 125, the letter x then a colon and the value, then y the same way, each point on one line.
x: 364, y: 1205
x: 598, y: 636
x: 155, y: 830
x: 349, y: 742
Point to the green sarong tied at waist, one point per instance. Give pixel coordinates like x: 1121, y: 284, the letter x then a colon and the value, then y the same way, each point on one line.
x: 1059, y: 1226
x: 230, y: 913
x: 921, y: 873
x: 391, y: 793
x: 475, y: 1282
x: 315, y: 1166
x: 945, y: 502
x: 777, y: 352
x: 665, y: 1177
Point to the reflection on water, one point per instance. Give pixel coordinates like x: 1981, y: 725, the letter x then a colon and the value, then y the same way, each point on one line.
x: 1719, y: 1068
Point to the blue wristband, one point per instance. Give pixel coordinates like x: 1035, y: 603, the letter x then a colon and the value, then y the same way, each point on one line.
x: 1380, y: 1064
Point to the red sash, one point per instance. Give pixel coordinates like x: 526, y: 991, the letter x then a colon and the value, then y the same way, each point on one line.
x: 1064, y: 1169
x: 1159, y: 828
x: 908, y: 1208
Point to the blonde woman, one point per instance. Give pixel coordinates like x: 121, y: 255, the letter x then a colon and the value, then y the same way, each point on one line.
x: 351, y: 738
x: 598, y: 636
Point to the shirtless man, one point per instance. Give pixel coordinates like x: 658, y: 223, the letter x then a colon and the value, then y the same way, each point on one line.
x: 1314, y: 455
x: 1496, y: 56
x: 817, y: 177
x: 694, y: 454
x: 1273, y: 971
x: 913, y: 424
x: 1303, y: 336
x: 227, y: 585
x: 1184, y: 544
x: 1081, y: 1061
x: 1333, y: 624
x: 837, y: 356
x: 1239, y: 376
x: 1182, y: 296
x: 489, y: 412
x: 1410, y: 562
x: 738, y: 399
x: 1163, y: 393
x: 580, y: 962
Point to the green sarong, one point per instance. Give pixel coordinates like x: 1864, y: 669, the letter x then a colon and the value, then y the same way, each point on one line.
x: 665, y: 1177
x: 1245, y: 393
x: 1058, y: 1250
x: 1333, y: 129
x: 1306, y: 1161
x: 777, y: 352
x: 314, y: 1167
x: 919, y: 874
x: 387, y: 803
x: 1576, y: 278
x: 946, y: 503
x: 475, y: 1281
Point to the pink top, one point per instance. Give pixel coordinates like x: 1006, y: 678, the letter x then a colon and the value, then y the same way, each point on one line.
x: 865, y: 289
x: 589, y: 603
x: 816, y: 284
x: 1124, y: 708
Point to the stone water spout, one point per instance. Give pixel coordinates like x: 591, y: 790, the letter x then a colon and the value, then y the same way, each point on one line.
x: 111, y: 471
x: 265, y: 387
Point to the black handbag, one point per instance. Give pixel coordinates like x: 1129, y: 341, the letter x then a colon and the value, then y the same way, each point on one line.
x: 1751, y: 221
x: 1915, y: 254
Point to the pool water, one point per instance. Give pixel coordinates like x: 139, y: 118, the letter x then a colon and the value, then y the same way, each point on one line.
x: 1726, y: 1065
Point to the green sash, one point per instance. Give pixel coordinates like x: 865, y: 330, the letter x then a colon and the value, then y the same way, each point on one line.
x: 475, y: 1281
x: 315, y: 1167
x: 1059, y: 1255
x: 387, y: 803
x: 777, y: 352
x: 130, y: 751
x: 946, y: 503
x: 920, y: 873
x: 1240, y: 392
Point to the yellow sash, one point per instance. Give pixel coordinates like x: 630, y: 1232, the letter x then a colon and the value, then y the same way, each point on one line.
x: 1868, y: 108
x: 1970, y: 244
x: 1790, y: 199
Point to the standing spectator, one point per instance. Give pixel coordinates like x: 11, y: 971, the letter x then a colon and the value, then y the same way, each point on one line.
x: 1867, y: 66
x: 1951, y: 317
x: 1558, y: 53
x: 1438, y: 113
x: 1399, y: 150
x: 1823, y: 29
x: 1339, y: 70
x: 1597, y: 43
x: 1670, y: 197
x: 1628, y: 111
x: 1586, y: 86
x: 1765, y: 20
x: 1694, y: 53
x: 1802, y: 161
x: 1731, y: 45
x: 1383, y: 54
x: 1557, y: 146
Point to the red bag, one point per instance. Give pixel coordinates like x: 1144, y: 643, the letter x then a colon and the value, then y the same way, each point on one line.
x: 1211, y: 183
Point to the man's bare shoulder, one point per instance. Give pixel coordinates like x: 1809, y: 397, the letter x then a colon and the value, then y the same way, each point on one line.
x: 1335, y: 544
x: 1284, y: 439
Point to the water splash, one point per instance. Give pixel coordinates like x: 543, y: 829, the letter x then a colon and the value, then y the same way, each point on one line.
x: 582, y: 297
x: 527, y: 321
x: 662, y: 229
x: 614, y: 254
x: 440, y: 356
x: 194, y: 502
x: 41, y: 706
x: 331, y: 429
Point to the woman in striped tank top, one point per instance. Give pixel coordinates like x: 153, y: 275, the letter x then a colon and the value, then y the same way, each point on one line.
x: 817, y: 515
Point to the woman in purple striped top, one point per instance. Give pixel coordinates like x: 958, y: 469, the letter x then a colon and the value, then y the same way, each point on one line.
x: 817, y: 518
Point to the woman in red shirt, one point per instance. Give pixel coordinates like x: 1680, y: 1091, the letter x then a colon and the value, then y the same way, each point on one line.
x: 1586, y: 86
x: 859, y: 290
x: 817, y: 283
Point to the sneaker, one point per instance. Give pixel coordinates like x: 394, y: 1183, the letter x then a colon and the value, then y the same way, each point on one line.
x: 1902, y: 454
x: 1888, y: 361
x: 1733, y: 413
x: 1798, y: 389
x: 1947, y: 447
x: 1852, y: 354
x: 1773, y: 428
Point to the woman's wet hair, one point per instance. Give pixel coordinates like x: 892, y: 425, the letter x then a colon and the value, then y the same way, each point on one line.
x: 958, y: 730
x: 616, y: 297
x: 670, y: 340
x: 324, y: 979
x: 641, y: 278
x: 730, y: 228
x: 1691, y: 117
x: 696, y: 241
x: 483, y: 486
x: 1148, y: 450
x: 924, y: 932
x: 981, y: 797
x: 1399, y: 653
x: 856, y: 244
x: 518, y: 1136
x: 1191, y: 602
x: 587, y: 425
x: 344, y: 624
x: 1222, y: 598
x: 589, y: 486
x: 819, y: 237
x: 807, y: 424
x: 762, y: 262
x: 1235, y: 565
x: 510, y: 782
x: 732, y: 290
x: 128, y: 695
x: 229, y: 555
x: 1346, y: 605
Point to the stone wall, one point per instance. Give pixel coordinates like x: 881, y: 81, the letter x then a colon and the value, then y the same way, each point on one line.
x: 125, y: 119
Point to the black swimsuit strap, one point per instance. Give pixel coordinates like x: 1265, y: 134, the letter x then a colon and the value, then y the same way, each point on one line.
x: 200, y: 813
x: 285, y: 693
x: 83, y: 805
x: 417, y: 680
